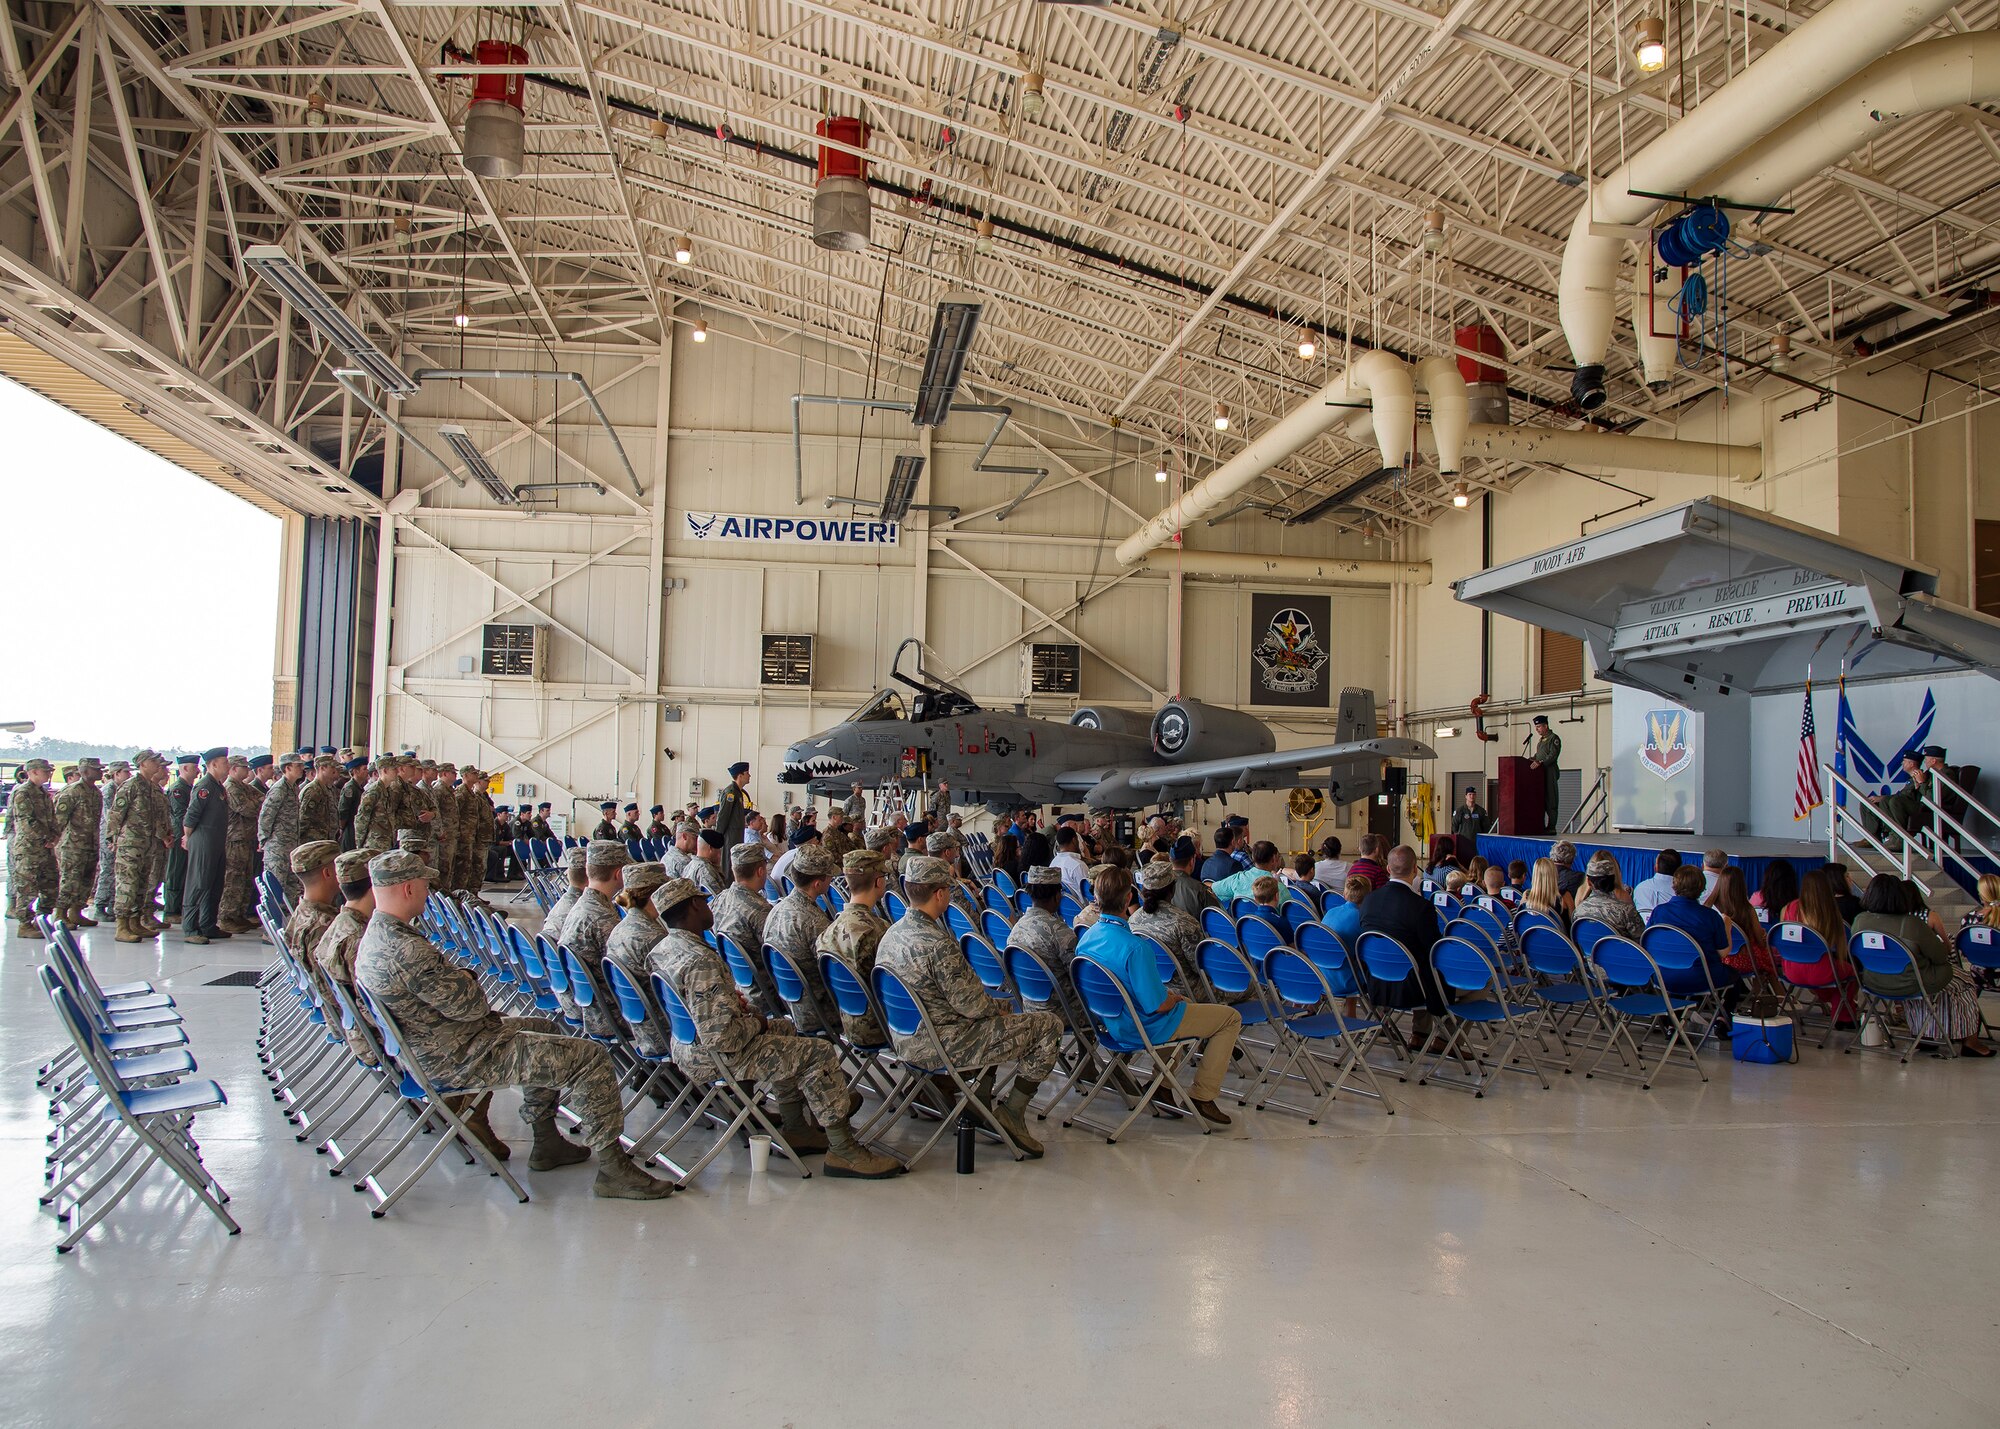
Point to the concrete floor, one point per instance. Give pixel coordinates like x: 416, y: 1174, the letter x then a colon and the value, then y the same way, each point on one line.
x: 1810, y: 1245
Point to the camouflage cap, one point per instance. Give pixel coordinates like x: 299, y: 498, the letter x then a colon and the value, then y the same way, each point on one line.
x: 813, y: 861
x: 925, y: 870
x: 640, y: 879
x: 1157, y: 875
x: 325, y: 761
x: 944, y: 841
x: 317, y: 854
x: 602, y: 854
x: 90, y: 761
x: 352, y: 866
x: 573, y: 857
x: 286, y: 761
x: 1096, y: 871
x: 1564, y: 854
x: 39, y: 763
x: 423, y: 848
x: 879, y: 839
x: 673, y: 893
x: 1043, y: 875
x: 864, y: 863
x: 124, y: 766
x: 745, y: 857
x: 386, y: 870
x: 1602, y: 865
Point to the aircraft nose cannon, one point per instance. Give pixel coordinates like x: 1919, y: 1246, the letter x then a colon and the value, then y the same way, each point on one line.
x: 794, y: 773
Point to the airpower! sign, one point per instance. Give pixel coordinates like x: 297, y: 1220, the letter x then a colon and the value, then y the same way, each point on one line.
x: 791, y: 530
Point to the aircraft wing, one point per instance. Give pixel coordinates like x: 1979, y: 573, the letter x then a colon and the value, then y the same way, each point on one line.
x: 1270, y: 770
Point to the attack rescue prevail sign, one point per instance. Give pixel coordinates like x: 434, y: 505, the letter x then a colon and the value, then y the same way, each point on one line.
x: 791, y: 530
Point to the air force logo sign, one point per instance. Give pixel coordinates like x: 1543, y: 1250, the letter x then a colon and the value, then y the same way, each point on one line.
x: 1669, y: 742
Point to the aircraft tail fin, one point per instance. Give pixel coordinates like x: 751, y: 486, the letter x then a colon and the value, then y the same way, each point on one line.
x: 1357, y: 716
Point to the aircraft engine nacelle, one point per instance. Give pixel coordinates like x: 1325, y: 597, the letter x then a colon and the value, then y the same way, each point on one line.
x: 1184, y: 731
x: 1111, y: 720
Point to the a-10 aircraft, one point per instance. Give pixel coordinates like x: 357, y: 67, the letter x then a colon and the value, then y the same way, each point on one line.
x: 1103, y: 758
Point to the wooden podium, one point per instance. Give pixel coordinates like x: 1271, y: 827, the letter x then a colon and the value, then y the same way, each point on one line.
x: 1523, y: 791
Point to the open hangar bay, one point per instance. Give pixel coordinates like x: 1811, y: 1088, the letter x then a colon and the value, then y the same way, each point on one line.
x: 634, y: 379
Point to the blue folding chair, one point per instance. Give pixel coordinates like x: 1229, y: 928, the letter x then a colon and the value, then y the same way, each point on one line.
x: 959, y: 921
x: 1979, y: 946
x: 1301, y: 983
x: 1483, y: 1014
x: 1105, y: 997
x: 1322, y: 947
x: 1387, y: 960
x: 896, y: 906
x: 721, y: 1089
x: 1801, y: 946
x: 986, y: 963
x: 997, y: 903
x: 1568, y: 988
x: 1071, y: 909
x: 1642, y: 1000
x: 1217, y: 924
x: 924, y: 1059
x: 1884, y: 956
x: 996, y: 928
x: 1234, y: 976
x: 1004, y: 883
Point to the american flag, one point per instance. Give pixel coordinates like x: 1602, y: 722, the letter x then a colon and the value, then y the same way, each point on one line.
x: 1806, y: 794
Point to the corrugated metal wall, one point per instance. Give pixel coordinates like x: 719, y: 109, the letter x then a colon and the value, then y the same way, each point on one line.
x: 336, y: 632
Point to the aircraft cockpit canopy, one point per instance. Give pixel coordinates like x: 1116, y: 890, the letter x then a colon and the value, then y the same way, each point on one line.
x: 886, y: 705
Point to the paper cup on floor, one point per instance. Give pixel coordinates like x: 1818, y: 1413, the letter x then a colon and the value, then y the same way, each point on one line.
x: 760, y: 1155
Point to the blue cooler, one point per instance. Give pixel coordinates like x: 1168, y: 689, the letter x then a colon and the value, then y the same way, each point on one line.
x: 1761, y: 1039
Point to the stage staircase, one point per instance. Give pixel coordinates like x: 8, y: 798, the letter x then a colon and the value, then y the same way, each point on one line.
x: 1944, y: 857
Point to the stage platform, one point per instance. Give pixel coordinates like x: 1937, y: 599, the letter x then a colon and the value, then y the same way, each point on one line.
x: 1636, y: 852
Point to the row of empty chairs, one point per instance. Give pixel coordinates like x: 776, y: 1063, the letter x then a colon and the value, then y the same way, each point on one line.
x: 123, y: 1094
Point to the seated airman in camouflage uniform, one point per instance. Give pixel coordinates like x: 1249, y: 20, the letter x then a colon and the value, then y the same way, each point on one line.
x: 704, y: 870
x: 633, y: 939
x: 796, y: 923
x: 463, y: 1044
x: 1041, y: 930
x: 1158, y: 917
x: 974, y: 1028
x: 802, y: 1071
x: 312, y: 866
x: 853, y: 936
x: 674, y: 860
x: 334, y: 953
x: 740, y: 912
x: 588, y: 928
x: 552, y: 922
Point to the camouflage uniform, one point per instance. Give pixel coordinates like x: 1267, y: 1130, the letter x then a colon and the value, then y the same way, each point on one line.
x: 975, y: 1029
x: 705, y: 876
x: 140, y: 820
x: 319, y: 813
x: 465, y: 1045
x: 32, y: 878
x: 476, y: 832
x: 674, y: 862
x: 238, y: 893
x: 106, y: 847
x: 1046, y: 936
x: 584, y: 934
x: 1180, y: 935
x: 278, y: 833
x: 413, y: 801
x: 303, y: 930
x: 628, y: 946
x: 740, y: 915
x: 444, y: 829
x: 348, y: 805
x: 375, y: 815
x: 852, y: 937
x: 838, y: 842
x: 794, y: 928
x: 552, y: 923
x: 79, y: 820
x: 333, y: 955
x: 769, y: 1053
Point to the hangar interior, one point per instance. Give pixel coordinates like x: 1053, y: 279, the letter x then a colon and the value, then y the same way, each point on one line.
x: 1125, y: 315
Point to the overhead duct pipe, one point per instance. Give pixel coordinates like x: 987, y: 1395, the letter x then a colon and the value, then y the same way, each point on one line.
x: 1377, y: 376
x: 1309, y: 569
x: 1815, y: 58
x: 1440, y: 380
x: 1594, y: 448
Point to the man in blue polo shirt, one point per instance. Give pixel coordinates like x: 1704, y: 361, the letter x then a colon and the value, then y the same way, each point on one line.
x: 1134, y: 961
x: 1219, y: 864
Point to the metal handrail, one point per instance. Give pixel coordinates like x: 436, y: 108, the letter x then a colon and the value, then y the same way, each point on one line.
x: 1594, y: 806
x: 1838, y: 848
x: 1939, y: 819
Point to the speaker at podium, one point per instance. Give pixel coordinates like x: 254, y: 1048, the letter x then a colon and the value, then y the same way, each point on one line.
x: 1521, y: 807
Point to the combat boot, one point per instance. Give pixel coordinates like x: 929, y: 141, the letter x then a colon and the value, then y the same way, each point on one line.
x: 1012, y: 1114
x: 128, y: 931
x: 801, y: 1134
x: 76, y: 918
x: 479, y: 1126
x: 146, y: 923
x: 553, y: 1149
x: 847, y: 1157
x: 28, y: 929
x: 620, y: 1178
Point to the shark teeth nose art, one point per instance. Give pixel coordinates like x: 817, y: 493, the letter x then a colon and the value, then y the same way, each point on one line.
x: 820, y: 766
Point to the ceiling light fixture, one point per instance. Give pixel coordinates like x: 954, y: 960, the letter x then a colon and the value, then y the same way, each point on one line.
x: 1308, y: 348
x: 984, y: 242
x: 462, y: 319
x: 282, y: 271
x: 700, y: 333
x: 1031, y: 94
x: 1781, y: 351
x: 316, y: 110
x: 1434, y: 230
x: 481, y: 470
x: 1221, y: 417
x: 400, y: 224
x: 952, y: 329
x: 1460, y: 496
x: 659, y: 141
x: 902, y: 488
x: 1160, y: 470
x: 1649, y: 44
x: 683, y: 249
